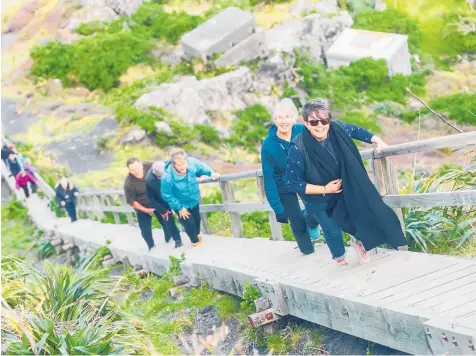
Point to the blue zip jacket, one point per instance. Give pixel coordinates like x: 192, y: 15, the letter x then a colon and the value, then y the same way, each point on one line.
x: 183, y: 191
x: 274, y: 153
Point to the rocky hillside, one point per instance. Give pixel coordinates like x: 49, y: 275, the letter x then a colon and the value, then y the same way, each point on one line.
x: 89, y: 83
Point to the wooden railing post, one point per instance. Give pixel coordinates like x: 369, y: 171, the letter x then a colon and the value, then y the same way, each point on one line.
x: 229, y: 197
x: 276, y: 231
x: 386, y: 181
x: 110, y: 200
x: 204, y: 219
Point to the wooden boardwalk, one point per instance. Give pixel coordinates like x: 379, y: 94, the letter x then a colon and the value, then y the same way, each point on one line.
x: 413, y: 302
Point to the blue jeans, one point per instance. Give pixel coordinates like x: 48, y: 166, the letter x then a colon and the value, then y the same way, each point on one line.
x: 332, y: 231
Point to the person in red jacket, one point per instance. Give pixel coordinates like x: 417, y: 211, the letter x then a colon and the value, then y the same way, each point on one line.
x: 22, y: 180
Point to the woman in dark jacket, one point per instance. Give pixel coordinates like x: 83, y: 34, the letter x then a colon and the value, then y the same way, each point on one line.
x: 66, y: 193
x: 274, y: 152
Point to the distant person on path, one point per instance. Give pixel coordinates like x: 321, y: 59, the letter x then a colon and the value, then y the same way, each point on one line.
x: 13, y: 164
x: 29, y: 167
x: 326, y: 169
x: 5, y: 153
x: 181, y: 191
x: 22, y: 179
x: 162, y: 209
x: 274, y: 152
x: 66, y: 193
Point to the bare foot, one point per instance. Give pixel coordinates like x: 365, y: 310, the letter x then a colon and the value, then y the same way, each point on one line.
x: 196, y: 244
x: 342, y: 262
x: 200, y: 237
x: 362, y: 254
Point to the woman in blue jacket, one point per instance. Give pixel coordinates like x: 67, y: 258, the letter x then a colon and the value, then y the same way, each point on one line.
x: 274, y: 153
x: 180, y: 190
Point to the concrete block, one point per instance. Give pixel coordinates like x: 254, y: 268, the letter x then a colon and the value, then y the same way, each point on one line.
x: 219, y: 33
x: 353, y: 45
x: 251, y: 48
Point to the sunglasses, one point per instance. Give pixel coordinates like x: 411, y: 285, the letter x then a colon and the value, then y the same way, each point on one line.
x: 316, y: 122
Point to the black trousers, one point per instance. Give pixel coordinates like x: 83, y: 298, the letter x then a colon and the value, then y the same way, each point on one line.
x: 27, y: 192
x: 292, y: 209
x: 170, y: 228
x: 192, y: 224
x: 71, y: 209
x: 145, y: 225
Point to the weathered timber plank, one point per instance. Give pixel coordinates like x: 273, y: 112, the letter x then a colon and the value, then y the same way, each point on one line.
x: 434, y: 291
x: 398, y: 329
x: 450, y: 141
x: 410, y: 285
x: 462, y: 310
x: 434, y: 283
x: 229, y: 197
x: 429, y: 200
x: 451, y: 301
x: 397, y: 273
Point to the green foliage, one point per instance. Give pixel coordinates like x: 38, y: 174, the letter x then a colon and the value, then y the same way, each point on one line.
x: 130, y: 114
x: 250, y: 294
x: 458, y: 107
x: 355, y: 7
x: 208, y: 134
x: 359, y: 83
x: 441, y: 229
x: 152, y: 21
x: 458, y: 33
x: 181, y: 134
x: 14, y: 210
x: 96, y: 62
x: 175, y: 268
x: 360, y: 119
x: 392, y: 21
x: 250, y: 128
x: 58, y: 210
x: 54, y: 60
x: 389, y: 108
x: 87, y: 29
x: 101, y: 60
x: 45, y: 250
x: 16, y: 231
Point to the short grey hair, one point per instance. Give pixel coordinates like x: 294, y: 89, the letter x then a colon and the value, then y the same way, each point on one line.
x: 158, y: 167
x: 177, y: 153
x: 315, y: 105
x: 287, y: 105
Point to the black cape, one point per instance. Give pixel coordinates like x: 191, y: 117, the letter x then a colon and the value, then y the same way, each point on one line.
x: 359, y: 209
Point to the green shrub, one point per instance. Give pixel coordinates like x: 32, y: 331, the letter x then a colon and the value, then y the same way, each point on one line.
x: 101, y: 60
x: 14, y: 210
x: 87, y: 29
x: 54, y: 60
x: 359, y: 83
x: 360, y: 119
x: 456, y: 37
x: 393, y: 21
x: 355, y: 7
x: 249, y: 129
x: 151, y: 20
x: 182, y: 134
x: 208, y: 134
x: 145, y: 120
x: 97, y: 62
x: 389, y: 108
x: 458, y: 107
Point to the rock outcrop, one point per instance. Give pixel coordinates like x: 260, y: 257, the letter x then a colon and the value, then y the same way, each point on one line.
x: 190, y: 98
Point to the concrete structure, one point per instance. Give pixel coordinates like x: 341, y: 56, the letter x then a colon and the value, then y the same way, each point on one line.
x: 353, y: 45
x: 219, y: 34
